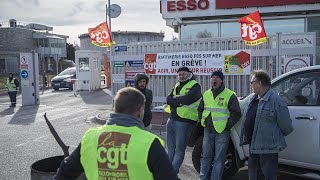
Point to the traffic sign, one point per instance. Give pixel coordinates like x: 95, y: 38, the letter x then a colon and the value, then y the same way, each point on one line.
x: 24, y: 60
x: 24, y: 74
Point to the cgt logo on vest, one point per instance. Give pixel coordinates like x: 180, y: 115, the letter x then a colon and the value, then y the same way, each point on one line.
x: 112, y: 154
x: 183, y: 5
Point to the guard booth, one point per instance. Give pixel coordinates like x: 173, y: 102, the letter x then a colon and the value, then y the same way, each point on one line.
x: 88, y: 70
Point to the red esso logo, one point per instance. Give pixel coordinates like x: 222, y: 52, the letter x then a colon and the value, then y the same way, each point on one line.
x: 183, y: 5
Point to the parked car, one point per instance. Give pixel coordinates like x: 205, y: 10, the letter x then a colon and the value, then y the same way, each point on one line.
x: 63, y: 80
x: 301, y: 90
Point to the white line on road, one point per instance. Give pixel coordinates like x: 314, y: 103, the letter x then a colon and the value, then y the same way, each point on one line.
x: 39, y: 138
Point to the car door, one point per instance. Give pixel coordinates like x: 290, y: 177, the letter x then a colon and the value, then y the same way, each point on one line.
x: 301, y: 92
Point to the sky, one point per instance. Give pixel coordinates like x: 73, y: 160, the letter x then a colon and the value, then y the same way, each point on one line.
x: 74, y: 17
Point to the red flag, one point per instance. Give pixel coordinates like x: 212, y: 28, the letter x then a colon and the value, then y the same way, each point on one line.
x: 100, y: 35
x: 252, y: 29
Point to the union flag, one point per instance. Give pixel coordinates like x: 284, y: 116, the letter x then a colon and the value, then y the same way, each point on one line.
x: 100, y: 35
x: 252, y: 29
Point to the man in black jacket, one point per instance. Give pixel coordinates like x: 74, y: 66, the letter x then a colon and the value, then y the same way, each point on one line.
x: 183, y: 101
x: 140, y: 82
x: 128, y: 116
x: 219, y: 111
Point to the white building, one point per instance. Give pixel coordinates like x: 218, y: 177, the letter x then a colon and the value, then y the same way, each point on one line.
x: 219, y: 18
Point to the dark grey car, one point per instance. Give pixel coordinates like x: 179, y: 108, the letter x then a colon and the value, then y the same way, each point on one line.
x: 63, y: 80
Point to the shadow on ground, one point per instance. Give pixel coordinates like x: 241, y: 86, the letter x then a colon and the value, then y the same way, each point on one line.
x: 25, y: 115
x: 97, y: 97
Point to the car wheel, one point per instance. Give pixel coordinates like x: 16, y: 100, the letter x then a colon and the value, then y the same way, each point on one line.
x: 56, y: 89
x: 230, y: 168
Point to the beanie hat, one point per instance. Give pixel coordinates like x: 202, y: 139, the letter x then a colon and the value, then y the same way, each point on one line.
x: 184, y: 68
x: 217, y: 73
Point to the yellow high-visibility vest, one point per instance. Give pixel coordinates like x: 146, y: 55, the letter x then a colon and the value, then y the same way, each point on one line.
x: 217, y: 108
x: 186, y: 111
x: 116, y: 152
x: 10, y: 85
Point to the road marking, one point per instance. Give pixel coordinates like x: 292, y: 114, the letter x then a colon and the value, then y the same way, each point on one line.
x: 23, y: 144
x: 39, y: 138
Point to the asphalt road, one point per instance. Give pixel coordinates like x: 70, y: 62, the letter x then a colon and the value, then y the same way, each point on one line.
x: 25, y: 137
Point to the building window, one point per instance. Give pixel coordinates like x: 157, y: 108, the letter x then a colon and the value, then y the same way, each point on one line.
x: 195, y: 31
x: 2, y: 66
x: 314, y: 26
x: 230, y: 29
x: 285, y: 26
x: 12, y: 64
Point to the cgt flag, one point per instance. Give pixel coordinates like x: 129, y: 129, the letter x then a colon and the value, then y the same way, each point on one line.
x: 252, y: 30
x: 100, y: 35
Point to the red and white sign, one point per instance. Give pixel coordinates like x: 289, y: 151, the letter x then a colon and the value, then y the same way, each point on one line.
x: 199, y: 62
x: 150, y: 63
x: 24, y: 62
x: 224, y: 4
x: 252, y: 29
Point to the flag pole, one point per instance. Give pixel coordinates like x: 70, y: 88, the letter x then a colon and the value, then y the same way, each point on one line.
x: 108, y: 9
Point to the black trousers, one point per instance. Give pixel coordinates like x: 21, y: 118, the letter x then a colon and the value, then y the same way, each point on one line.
x: 13, y: 97
x: 263, y: 165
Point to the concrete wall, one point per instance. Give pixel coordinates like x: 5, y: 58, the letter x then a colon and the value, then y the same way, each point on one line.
x: 16, y: 40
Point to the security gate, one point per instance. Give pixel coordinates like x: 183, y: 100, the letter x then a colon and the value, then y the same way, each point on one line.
x: 268, y: 56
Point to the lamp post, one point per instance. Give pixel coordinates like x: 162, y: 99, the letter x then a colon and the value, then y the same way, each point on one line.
x: 108, y: 16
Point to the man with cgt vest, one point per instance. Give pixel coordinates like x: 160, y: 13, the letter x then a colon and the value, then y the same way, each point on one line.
x: 219, y: 111
x: 182, y: 104
x: 121, y: 149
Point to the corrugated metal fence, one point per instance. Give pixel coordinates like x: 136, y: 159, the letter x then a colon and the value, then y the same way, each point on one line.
x: 268, y: 56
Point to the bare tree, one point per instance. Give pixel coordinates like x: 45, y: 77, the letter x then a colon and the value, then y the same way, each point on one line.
x: 204, y: 34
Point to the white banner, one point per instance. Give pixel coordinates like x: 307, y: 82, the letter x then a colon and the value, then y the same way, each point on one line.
x: 118, y: 78
x: 292, y: 63
x: 235, y: 62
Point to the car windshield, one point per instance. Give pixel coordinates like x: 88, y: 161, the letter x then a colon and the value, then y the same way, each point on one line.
x: 69, y: 71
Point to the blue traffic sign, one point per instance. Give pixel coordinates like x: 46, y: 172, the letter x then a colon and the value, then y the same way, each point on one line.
x: 120, y: 48
x: 24, y: 74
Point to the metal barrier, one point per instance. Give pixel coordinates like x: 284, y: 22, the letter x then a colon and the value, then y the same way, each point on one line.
x: 268, y: 56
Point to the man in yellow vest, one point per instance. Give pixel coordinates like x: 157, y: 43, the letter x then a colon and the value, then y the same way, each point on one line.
x: 12, y: 85
x: 121, y: 149
x: 182, y: 103
x: 219, y: 111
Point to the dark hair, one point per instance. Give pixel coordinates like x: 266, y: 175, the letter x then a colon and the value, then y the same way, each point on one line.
x: 262, y: 76
x: 128, y: 100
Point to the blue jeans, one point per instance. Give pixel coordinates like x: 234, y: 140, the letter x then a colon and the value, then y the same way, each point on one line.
x: 177, y: 136
x: 263, y: 165
x: 214, y: 149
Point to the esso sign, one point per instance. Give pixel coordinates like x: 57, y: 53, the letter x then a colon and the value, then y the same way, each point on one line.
x: 183, y: 5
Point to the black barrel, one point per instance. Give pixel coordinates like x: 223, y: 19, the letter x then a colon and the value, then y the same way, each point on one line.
x: 45, y: 169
